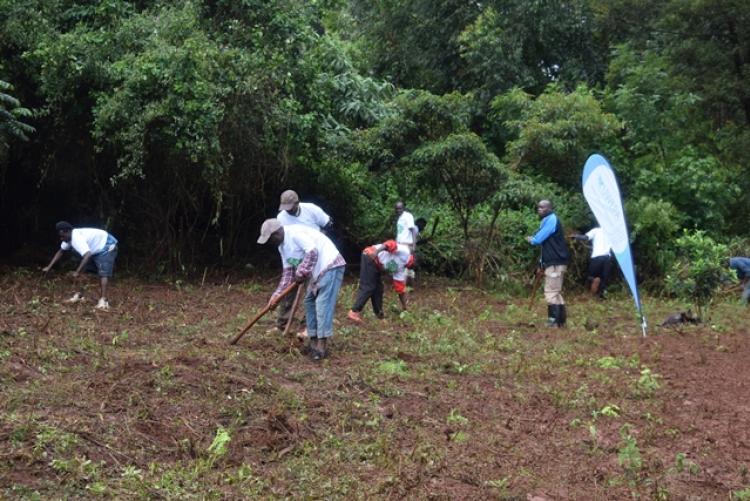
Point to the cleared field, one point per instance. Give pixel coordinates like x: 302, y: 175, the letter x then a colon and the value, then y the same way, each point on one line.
x: 466, y: 396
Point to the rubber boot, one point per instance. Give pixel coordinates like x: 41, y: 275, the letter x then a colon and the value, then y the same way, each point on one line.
x: 561, y: 316
x: 551, y: 315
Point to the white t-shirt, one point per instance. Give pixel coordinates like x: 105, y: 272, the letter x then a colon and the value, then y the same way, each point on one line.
x: 299, y: 240
x: 84, y: 240
x: 310, y: 215
x: 395, y: 263
x: 599, y: 242
x: 404, y: 226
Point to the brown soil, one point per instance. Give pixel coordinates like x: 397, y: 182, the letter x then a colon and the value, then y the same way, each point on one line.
x: 504, y: 411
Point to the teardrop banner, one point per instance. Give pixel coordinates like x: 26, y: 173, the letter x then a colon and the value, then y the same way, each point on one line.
x: 603, y: 196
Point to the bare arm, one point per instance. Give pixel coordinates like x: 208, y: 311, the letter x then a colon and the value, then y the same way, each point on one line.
x: 55, y: 259
x: 84, y: 262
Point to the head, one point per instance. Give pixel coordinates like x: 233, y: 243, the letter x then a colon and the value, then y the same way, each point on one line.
x: 544, y: 208
x: 64, y: 230
x: 399, y: 208
x: 421, y: 224
x: 271, y: 232
x: 289, y: 202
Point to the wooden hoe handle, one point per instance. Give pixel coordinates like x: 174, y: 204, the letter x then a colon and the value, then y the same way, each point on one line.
x: 270, y: 306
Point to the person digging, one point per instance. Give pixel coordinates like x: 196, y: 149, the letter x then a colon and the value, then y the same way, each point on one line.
x: 308, y: 256
x: 601, y: 262
x: 98, y: 251
x: 388, y: 257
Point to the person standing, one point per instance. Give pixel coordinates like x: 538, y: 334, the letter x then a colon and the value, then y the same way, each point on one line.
x: 388, y: 257
x: 406, y: 228
x: 292, y: 211
x: 554, y: 261
x: 98, y: 251
x: 742, y: 266
x: 308, y: 256
x: 601, y: 262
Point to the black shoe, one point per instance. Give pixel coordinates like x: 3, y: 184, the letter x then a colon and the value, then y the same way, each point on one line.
x: 551, y: 315
x: 562, y: 315
x: 317, y: 355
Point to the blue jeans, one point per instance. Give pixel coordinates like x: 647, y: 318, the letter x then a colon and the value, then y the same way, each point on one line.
x: 319, y: 307
x: 103, y: 264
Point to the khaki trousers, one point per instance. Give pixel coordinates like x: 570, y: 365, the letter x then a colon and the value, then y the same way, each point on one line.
x: 553, y: 282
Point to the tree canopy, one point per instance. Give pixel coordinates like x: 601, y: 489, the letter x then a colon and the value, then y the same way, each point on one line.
x: 177, y: 125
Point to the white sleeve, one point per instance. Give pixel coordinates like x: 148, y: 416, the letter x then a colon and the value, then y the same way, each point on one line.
x: 409, y: 222
x: 321, y: 218
x: 65, y: 246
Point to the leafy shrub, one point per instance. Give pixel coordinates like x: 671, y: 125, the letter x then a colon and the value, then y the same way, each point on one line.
x: 654, y: 224
x: 699, y: 269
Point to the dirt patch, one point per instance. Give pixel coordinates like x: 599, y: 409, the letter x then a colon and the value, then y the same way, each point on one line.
x: 465, y: 397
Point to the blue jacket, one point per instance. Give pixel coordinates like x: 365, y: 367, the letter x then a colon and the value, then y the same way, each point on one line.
x: 552, y: 239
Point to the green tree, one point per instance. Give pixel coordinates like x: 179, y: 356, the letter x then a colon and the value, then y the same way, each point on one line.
x: 552, y: 135
x: 12, y: 116
x: 530, y: 44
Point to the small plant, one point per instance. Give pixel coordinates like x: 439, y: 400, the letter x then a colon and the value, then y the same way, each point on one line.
x: 456, y: 418
x: 218, y: 447
x: 648, y: 383
x: 393, y: 367
x: 610, y: 362
x: 629, y: 455
x: 610, y: 410
x: 681, y: 464
x: 741, y: 495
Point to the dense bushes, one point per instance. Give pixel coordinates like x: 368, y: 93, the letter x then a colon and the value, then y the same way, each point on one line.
x: 177, y: 126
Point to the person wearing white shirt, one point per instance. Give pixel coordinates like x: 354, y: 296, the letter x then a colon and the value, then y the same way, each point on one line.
x: 292, y: 211
x: 98, y: 251
x: 308, y: 256
x: 601, y: 263
x: 406, y: 228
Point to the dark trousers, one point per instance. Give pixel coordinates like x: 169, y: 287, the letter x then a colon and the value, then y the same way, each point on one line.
x: 370, y: 286
x: 601, y: 267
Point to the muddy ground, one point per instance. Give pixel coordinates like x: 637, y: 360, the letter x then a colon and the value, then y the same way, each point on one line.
x: 466, y: 396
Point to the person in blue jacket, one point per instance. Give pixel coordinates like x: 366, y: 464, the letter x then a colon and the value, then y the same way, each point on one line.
x: 742, y: 266
x: 554, y: 261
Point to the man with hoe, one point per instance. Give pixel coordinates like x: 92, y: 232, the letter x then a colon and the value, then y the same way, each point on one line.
x: 308, y: 256
x: 388, y: 257
x: 554, y: 261
x: 98, y: 250
x: 292, y: 211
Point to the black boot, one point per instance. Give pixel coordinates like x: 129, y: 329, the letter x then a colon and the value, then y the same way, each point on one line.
x: 562, y: 315
x: 551, y: 315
